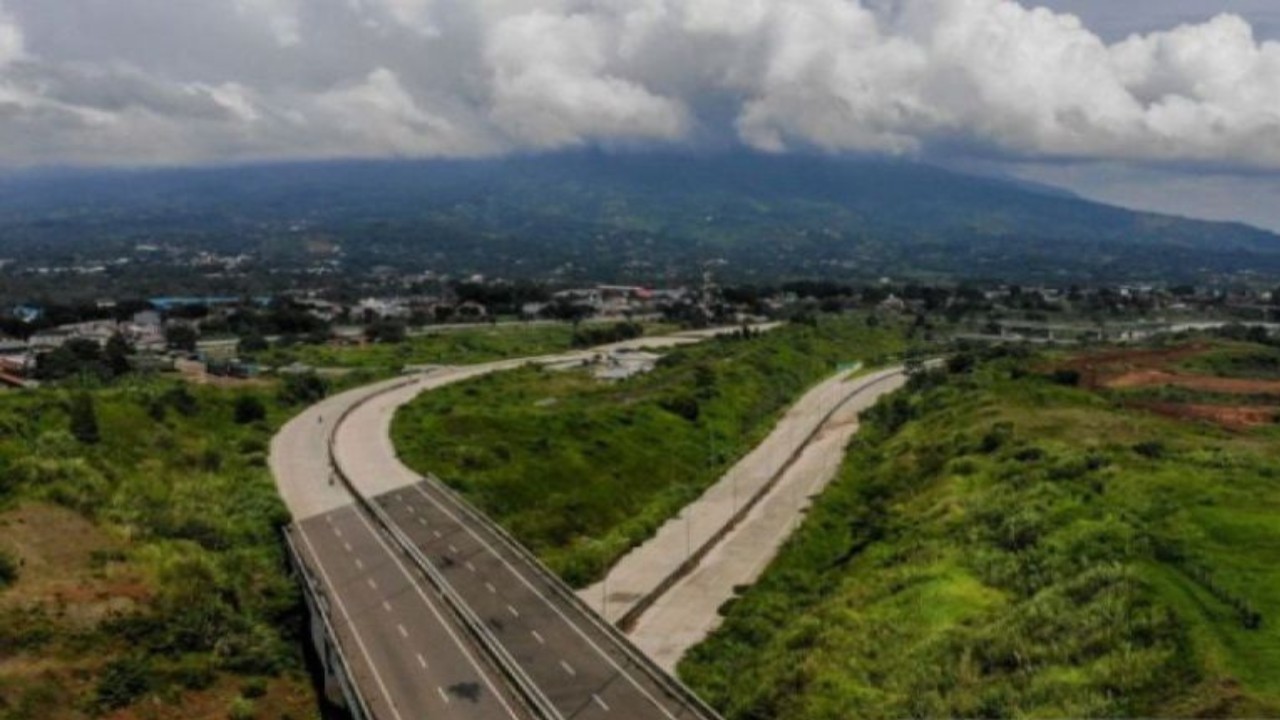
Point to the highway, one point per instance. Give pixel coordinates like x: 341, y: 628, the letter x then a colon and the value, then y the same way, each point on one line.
x: 397, y: 634
x: 438, y: 613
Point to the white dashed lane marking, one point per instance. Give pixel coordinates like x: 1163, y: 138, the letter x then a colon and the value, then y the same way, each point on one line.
x: 513, y: 611
x: 568, y: 668
x: 373, y: 584
x: 422, y: 661
x: 359, y: 564
x: 403, y: 633
x: 538, y: 637
x: 443, y: 695
x: 386, y: 606
x: 603, y: 705
x: 491, y: 588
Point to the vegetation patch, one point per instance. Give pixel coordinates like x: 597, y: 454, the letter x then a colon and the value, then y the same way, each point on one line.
x: 456, y: 347
x: 143, y: 525
x: 582, y: 470
x: 1000, y: 544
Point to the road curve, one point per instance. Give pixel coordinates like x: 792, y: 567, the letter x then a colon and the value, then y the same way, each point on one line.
x: 410, y: 655
x: 640, y: 577
x: 689, y: 610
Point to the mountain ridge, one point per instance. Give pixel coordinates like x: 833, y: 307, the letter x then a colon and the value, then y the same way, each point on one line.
x: 642, y: 217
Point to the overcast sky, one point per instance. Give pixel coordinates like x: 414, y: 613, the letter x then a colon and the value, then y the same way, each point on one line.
x: 1167, y: 104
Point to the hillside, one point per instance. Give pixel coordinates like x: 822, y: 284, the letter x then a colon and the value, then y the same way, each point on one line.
x: 629, y: 217
x: 581, y: 470
x: 1003, y: 543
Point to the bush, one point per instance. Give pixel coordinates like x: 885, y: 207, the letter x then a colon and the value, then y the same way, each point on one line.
x: 249, y: 409
x: 123, y: 681
x: 84, y: 419
x: 242, y: 708
x: 180, y: 398
x: 8, y: 568
x: 1070, y: 378
x: 1151, y: 449
x: 303, y: 389
x: 254, y: 688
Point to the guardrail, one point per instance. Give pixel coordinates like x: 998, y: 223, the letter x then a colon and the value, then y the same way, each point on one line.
x: 671, y: 684
x: 529, y: 693
x: 630, y: 617
x: 356, y: 704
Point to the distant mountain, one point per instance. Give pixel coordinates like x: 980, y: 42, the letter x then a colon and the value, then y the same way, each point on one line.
x: 645, y: 218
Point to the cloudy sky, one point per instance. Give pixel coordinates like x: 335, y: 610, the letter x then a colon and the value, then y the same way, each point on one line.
x: 1166, y: 104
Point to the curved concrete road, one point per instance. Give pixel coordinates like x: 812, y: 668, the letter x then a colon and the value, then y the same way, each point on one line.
x: 409, y: 656
x: 688, y: 611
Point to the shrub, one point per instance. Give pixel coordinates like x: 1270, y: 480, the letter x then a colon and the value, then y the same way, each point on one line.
x: 1070, y: 378
x: 8, y: 568
x: 123, y: 681
x: 242, y: 708
x: 254, y: 688
x: 180, y: 398
x: 1152, y: 449
x: 303, y: 389
x: 84, y: 419
x: 249, y: 409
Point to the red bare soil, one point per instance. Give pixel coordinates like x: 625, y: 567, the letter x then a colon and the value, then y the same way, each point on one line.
x: 1229, y: 416
x: 1145, y: 368
x: 1202, y: 383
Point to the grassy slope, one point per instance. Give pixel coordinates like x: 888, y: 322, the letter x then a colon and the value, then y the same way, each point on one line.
x: 180, y: 561
x: 1007, y: 551
x: 581, y: 471
x: 453, y: 347
x: 193, y: 517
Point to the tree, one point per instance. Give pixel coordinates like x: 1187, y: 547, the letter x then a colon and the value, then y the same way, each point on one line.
x: 303, y: 389
x: 253, y: 343
x: 84, y: 419
x: 386, y: 331
x: 181, y: 337
x: 249, y: 409
x: 116, y: 355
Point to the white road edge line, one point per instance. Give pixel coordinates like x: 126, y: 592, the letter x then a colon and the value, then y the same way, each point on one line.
x: 466, y: 652
x: 519, y: 576
x: 342, y: 607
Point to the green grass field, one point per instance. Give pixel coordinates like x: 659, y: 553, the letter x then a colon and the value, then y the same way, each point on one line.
x: 582, y: 470
x: 452, y: 347
x: 1001, y: 546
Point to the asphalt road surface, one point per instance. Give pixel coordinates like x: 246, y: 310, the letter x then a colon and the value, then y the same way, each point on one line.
x: 565, y: 651
x: 409, y: 658
x: 411, y: 655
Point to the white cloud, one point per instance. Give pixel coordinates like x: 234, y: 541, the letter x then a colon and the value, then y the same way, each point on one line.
x: 287, y: 78
x: 280, y: 17
x: 553, y: 85
x: 10, y: 39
